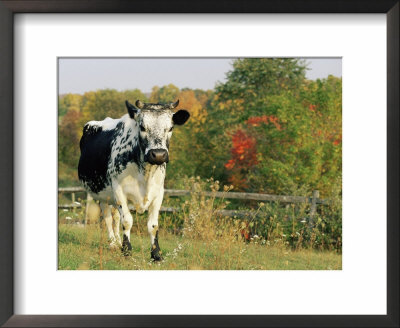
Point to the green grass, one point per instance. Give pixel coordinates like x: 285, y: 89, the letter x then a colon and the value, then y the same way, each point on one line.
x: 87, y: 248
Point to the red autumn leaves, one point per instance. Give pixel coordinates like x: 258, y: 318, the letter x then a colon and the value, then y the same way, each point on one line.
x: 244, y: 150
x: 244, y: 146
x: 257, y: 120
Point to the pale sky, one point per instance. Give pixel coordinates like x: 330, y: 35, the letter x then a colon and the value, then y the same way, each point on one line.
x: 78, y: 75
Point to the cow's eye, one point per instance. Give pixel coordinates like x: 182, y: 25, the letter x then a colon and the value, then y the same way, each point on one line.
x: 170, y: 130
x: 142, y: 128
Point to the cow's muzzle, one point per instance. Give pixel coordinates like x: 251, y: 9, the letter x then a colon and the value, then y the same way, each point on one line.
x: 157, y: 156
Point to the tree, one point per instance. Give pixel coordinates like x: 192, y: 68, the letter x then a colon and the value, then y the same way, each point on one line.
x: 253, y: 80
x: 107, y: 103
x: 68, y: 139
x: 133, y: 95
x: 104, y: 103
x: 204, y: 97
x: 293, y: 126
x: 198, y: 113
x: 69, y: 102
x: 165, y: 94
x: 187, y: 138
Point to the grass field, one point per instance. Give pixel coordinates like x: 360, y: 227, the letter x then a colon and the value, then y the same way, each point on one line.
x: 86, y: 248
x: 197, y: 237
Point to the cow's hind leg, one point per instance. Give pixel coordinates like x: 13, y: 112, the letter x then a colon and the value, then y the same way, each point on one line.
x: 126, y: 218
x: 117, y: 222
x: 107, y: 215
x: 127, y: 222
x: 152, y: 227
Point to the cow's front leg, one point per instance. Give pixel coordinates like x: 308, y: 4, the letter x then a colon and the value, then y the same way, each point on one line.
x: 152, y: 226
x: 126, y: 219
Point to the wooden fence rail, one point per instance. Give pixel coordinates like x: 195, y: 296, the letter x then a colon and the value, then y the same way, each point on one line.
x: 313, y: 201
x: 230, y: 195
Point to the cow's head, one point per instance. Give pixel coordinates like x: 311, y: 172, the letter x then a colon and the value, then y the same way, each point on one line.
x: 155, y: 123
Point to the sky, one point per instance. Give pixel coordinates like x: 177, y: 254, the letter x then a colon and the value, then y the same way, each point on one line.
x: 79, y: 75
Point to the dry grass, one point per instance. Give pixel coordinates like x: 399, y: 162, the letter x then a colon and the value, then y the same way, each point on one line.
x: 195, y: 239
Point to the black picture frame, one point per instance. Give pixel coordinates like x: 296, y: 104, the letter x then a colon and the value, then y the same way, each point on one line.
x: 10, y: 7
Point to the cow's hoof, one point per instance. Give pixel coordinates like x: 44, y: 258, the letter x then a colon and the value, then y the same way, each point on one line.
x: 114, y: 245
x: 126, y: 247
x: 126, y: 250
x: 156, y: 254
x: 156, y: 257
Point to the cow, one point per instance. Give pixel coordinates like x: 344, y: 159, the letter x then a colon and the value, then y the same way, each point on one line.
x: 124, y: 160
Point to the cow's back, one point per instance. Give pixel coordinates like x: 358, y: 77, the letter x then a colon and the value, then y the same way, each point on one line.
x: 95, y: 148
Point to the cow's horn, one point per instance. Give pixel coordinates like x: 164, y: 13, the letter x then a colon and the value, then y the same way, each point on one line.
x: 174, y: 105
x: 139, y: 104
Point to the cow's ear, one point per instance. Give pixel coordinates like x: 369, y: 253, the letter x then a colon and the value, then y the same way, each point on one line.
x: 132, y: 110
x: 180, y: 117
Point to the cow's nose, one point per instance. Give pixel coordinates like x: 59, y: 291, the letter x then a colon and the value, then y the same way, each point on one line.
x: 158, y: 156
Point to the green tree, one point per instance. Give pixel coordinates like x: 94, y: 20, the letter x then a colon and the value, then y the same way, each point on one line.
x: 68, y: 139
x: 133, y: 95
x: 253, y: 80
x: 108, y: 103
x: 167, y: 93
x: 271, y: 130
x: 186, y: 139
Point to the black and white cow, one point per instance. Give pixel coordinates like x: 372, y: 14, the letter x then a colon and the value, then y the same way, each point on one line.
x: 124, y: 160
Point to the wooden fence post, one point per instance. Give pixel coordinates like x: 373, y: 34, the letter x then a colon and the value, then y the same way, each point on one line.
x: 73, y: 201
x: 313, y: 210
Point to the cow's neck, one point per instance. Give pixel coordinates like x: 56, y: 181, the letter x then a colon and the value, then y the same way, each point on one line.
x: 153, y: 178
x: 154, y: 174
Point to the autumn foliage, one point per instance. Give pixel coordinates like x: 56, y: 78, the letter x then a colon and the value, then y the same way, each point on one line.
x: 243, y: 158
x: 265, y: 129
x: 69, y: 135
x: 257, y: 120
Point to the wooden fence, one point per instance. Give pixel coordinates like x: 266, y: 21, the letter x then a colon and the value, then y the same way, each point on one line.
x: 314, y: 201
